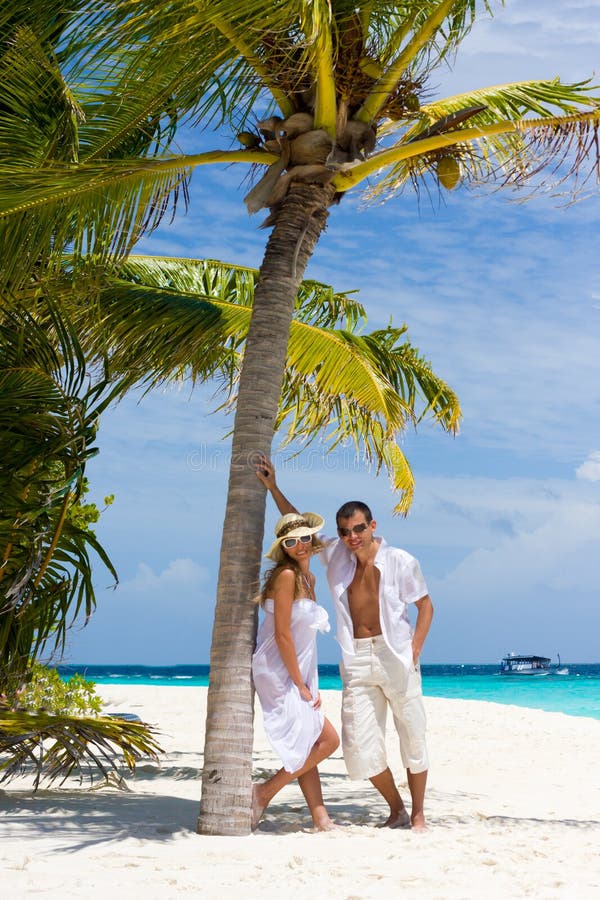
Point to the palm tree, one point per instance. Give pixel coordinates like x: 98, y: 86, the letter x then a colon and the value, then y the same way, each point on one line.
x: 326, y: 94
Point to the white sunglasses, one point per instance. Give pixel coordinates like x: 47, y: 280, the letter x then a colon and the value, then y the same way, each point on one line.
x: 290, y: 542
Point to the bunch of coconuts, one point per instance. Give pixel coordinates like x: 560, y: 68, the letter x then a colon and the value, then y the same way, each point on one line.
x: 305, y: 154
x: 310, y: 154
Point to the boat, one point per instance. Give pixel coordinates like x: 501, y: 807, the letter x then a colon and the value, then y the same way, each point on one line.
x: 529, y: 664
x: 524, y: 664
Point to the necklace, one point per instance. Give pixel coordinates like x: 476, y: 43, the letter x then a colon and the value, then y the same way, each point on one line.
x: 308, y: 586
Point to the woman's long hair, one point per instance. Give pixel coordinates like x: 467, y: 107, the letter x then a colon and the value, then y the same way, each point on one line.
x: 272, y: 573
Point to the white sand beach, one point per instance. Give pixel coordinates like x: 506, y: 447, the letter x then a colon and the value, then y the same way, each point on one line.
x: 513, y: 807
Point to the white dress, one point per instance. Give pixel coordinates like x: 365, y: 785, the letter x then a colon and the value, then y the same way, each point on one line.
x: 291, y: 724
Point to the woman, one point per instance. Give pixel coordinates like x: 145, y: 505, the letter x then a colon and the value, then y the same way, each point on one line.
x: 284, y: 667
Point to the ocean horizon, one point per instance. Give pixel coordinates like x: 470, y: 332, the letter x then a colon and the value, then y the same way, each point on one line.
x: 575, y: 694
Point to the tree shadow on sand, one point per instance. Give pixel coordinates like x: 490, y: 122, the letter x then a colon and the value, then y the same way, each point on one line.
x: 83, y: 818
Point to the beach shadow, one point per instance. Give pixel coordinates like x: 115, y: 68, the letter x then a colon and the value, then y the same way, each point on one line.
x: 522, y: 820
x: 87, y: 818
x: 176, y: 765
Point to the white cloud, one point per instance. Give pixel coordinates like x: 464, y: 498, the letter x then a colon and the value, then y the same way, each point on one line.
x: 180, y: 573
x: 590, y: 469
x: 524, y: 40
x: 554, y: 554
x: 160, y: 616
x: 533, y: 587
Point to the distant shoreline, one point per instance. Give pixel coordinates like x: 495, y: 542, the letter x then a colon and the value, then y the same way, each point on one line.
x: 576, y: 694
x: 79, y: 666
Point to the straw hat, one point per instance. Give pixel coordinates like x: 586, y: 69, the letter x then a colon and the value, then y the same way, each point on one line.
x: 293, y: 525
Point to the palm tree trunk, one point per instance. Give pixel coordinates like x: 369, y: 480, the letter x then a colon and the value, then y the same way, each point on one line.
x: 226, y: 780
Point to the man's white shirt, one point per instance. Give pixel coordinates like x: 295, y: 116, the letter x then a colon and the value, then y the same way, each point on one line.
x: 401, y: 583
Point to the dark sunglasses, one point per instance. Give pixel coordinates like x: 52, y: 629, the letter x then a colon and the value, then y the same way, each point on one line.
x: 356, y: 529
x: 290, y: 542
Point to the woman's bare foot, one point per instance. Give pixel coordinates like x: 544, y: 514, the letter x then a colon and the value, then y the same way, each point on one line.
x: 258, y: 807
x: 418, y: 822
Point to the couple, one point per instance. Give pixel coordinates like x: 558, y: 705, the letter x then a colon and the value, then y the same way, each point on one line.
x: 371, y: 584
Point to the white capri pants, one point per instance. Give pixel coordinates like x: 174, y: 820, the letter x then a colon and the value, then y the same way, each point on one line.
x: 373, y: 678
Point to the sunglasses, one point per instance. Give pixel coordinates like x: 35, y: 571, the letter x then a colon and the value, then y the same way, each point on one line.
x: 356, y: 529
x: 290, y: 542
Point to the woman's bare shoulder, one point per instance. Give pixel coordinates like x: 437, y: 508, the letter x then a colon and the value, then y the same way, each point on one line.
x: 284, y: 576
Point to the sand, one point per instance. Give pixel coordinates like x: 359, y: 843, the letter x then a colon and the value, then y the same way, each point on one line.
x: 513, y: 806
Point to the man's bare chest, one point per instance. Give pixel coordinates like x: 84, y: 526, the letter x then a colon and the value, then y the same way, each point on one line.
x: 363, y: 598
x: 365, y: 583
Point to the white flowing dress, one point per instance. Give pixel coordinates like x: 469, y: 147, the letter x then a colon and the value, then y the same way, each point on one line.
x: 291, y: 724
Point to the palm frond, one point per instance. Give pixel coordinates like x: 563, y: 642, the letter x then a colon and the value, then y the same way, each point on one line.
x: 257, y: 65
x: 174, y: 318
x: 52, y: 20
x: 516, y: 100
x: 328, y: 406
x: 339, y: 362
x: 222, y: 85
x: 400, y: 474
x: 316, y: 302
x: 427, y: 23
x: 511, y: 152
x: 100, y: 208
x: 40, y: 116
x: 48, y: 420
x: 57, y: 746
x: 316, y: 23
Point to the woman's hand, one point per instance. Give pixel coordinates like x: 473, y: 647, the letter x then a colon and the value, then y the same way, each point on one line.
x: 306, y: 695
x: 265, y: 472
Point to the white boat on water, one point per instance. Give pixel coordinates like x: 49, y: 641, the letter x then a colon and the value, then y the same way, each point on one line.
x: 529, y: 664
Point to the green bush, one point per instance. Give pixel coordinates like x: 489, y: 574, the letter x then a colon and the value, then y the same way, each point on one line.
x: 46, y: 690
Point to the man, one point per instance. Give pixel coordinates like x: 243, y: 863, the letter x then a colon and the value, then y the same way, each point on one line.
x: 372, y: 585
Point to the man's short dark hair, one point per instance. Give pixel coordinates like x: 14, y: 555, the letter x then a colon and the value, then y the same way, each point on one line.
x: 353, y: 506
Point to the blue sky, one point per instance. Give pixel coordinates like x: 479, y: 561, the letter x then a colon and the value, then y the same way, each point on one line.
x: 503, y: 297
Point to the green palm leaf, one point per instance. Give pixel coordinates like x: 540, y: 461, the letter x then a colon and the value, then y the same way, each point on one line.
x: 40, y: 116
x: 48, y: 419
x: 189, y: 318
x: 200, y: 306
x: 57, y: 746
x: 509, y: 154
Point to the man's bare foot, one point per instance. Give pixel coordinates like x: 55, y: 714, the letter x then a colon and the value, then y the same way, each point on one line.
x: 398, y: 819
x: 418, y: 822
x: 258, y: 807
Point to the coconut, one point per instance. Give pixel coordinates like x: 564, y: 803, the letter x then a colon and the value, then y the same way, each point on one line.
x: 247, y: 139
x: 310, y: 148
x: 411, y: 102
x: 297, y: 123
x: 448, y: 172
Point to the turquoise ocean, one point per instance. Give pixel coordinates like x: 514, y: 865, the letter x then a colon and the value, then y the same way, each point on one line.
x: 576, y: 694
